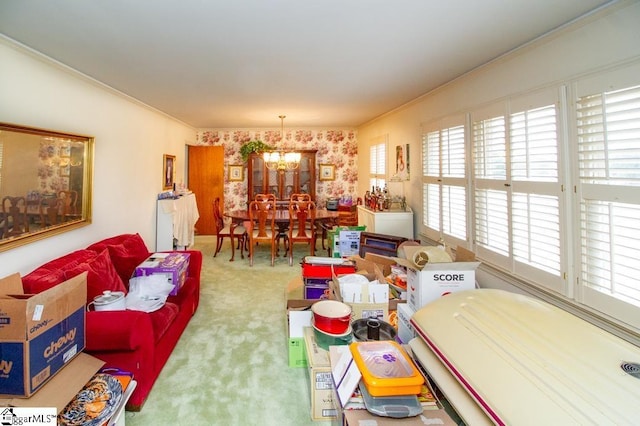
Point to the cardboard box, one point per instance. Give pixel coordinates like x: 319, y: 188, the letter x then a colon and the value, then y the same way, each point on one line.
x: 344, y: 240
x: 298, y: 318
x: 433, y: 280
x: 406, y: 331
x: 172, y: 265
x: 428, y: 417
x: 63, y: 387
x: 321, y: 383
x: 364, y: 307
x: 39, y: 334
x: 368, y: 264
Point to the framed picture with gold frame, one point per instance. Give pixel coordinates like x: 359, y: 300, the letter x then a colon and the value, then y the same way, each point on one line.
x: 168, y: 166
x: 327, y: 172
x: 236, y: 172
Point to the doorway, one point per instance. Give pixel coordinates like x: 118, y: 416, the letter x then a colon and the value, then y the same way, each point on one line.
x: 206, y: 180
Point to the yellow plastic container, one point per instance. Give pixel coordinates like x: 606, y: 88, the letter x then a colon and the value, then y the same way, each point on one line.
x: 386, y: 368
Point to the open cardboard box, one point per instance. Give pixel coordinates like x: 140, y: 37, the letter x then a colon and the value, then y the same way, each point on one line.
x: 40, y: 333
x: 368, y: 264
x: 63, y: 387
x: 375, y: 309
x: 433, y: 280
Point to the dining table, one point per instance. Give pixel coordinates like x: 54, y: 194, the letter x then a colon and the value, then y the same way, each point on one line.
x: 238, y: 217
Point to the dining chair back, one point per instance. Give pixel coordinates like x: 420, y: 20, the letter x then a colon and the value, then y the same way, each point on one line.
x: 50, y: 209
x: 302, y: 227
x: 14, y: 216
x: 262, y: 216
x: 265, y: 197
x: 300, y: 197
x: 69, y: 200
x: 229, y: 230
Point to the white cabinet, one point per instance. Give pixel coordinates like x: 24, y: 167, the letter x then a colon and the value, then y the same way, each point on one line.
x: 388, y: 222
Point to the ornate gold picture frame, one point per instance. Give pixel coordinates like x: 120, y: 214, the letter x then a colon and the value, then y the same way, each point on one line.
x: 327, y: 172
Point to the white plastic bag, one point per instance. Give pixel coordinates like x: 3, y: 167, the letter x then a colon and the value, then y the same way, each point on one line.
x: 148, y: 293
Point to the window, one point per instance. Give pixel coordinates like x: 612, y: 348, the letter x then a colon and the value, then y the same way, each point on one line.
x: 608, y: 189
x: 517, y: 191
x: 444, y: 182
x: 526, y: 152
x: 378, y: 164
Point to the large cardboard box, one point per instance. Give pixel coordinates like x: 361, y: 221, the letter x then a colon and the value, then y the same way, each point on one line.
x: 172, y: 265
x: 321, y: 383
x: 63, y: 387
x: 433, y: 280
x: 39, y: 334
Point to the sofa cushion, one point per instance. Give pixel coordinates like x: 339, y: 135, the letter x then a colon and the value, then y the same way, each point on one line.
x: 127, y: 251
x: 162, y: 319
x: 101, y: 275
x: 53, y: 273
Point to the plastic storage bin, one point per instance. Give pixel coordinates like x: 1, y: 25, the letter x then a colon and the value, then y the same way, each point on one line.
x: 386, y: 368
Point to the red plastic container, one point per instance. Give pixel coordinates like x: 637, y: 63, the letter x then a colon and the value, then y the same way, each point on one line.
x: 310, y: 269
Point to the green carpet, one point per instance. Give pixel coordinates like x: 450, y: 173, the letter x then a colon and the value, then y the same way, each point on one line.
x: 230, y: 365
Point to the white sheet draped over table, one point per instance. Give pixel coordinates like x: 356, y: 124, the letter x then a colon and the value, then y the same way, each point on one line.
x: 184, y: 212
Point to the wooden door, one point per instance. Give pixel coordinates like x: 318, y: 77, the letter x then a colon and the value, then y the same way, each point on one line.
x: 206, y: 180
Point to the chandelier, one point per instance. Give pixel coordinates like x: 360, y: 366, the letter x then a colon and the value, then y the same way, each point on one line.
x: 281, y: 160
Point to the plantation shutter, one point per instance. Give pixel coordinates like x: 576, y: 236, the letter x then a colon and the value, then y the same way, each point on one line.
x: 535, y: 208
x: 608, y: 133
x: 517, y: 193
x: 492, y: 237
x: 378, y: 165
x: 444, y: 182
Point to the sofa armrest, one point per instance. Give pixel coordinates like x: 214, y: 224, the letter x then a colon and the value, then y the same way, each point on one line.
x: 118, y: 330
x: 195, y: 264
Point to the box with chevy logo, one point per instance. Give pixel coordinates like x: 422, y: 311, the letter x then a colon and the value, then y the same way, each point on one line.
x: 427, y: 281
x: 39, y: 333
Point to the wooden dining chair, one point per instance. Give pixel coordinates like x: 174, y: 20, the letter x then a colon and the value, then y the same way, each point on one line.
x: 50, y: 209
x: 69, y: 200
x: 265, y: 197
x: 262, y: 216
x: 300, y: 197
x: 302, y: 227
x: 230, y: 230
x: 14, y: 216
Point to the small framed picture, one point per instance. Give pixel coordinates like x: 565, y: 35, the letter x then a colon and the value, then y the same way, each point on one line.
x: 327, y: 172
x: 236, y: 172
x: 168, y: 165
x: 65, y: 170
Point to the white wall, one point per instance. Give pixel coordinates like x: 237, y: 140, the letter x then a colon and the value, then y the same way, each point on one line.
x: 601, y: 40
x: 130, y: 139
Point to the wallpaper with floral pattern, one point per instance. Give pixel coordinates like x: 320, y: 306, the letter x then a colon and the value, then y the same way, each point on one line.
x: 337, y: 147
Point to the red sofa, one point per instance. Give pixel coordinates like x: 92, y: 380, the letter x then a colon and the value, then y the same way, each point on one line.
x: 134, y: 341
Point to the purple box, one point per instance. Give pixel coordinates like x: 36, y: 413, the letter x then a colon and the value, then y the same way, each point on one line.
x: 174, y: 265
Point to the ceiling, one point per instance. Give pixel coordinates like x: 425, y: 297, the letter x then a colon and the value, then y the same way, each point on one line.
x: 242, y: 63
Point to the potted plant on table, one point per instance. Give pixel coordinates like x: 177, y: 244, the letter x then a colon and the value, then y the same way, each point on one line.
x: 253, y: 146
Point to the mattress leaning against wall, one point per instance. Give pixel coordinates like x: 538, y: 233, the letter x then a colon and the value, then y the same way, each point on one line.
x: 526, y: 362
